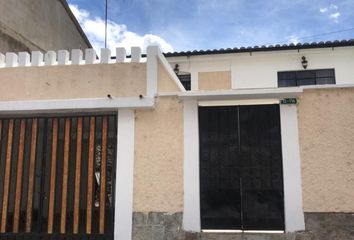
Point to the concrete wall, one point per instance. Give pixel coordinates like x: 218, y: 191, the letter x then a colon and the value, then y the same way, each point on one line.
x: 38, y: 25
x: 326, y: 129
x: 259, y: 70
x: 214, y: 80
x: 158, y: 167
x: 164, y: 82
x: 73, y: 81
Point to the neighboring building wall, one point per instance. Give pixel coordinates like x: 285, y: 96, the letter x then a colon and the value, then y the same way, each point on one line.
x: 259, y: 69
x: 39, y: 25
x: 326, y: 129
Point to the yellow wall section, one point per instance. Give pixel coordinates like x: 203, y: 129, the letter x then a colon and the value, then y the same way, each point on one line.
x: 214, y: 80
x: 158, y: 166
x: 69, y: 82
x: 326, y: 129
x: 165, y: 82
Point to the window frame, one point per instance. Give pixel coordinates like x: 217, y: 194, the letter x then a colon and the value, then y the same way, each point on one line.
x: 315, y: 78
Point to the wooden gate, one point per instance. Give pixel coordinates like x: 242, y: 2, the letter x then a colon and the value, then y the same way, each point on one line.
x: 57, y: 177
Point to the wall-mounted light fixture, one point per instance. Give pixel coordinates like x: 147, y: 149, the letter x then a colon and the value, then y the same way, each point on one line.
x: 304, y: 62
x: 176, y: 69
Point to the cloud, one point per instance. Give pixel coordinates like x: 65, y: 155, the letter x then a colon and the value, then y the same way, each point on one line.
x: 294, y: 39
x: 331, y: 12
x: 118, y: 35
x: 323, y: 10
x: 334, y: 16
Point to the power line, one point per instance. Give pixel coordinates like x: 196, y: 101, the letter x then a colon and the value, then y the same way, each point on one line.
x: 317, y: 35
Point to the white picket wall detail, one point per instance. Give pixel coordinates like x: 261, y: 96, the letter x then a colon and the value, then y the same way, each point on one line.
x: 63, y: 57
x: 11, y: 59
x: 2, y: 60
x: 37, y: 59
x: 75, y: 57
x: 24, y: 59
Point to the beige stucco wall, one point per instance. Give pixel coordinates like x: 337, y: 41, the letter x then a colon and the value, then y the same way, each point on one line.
x: 326, y: 128
x: 165, y: 82
x: 214, y: 80
x: 158, y: 166
x: 69, y: 82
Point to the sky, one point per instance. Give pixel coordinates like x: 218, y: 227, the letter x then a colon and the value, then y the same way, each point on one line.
x: 182, y: 25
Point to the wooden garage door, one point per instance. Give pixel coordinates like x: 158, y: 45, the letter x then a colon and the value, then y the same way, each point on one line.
x: 57, y: 177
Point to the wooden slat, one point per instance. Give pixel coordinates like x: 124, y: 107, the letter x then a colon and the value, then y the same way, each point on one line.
x: 53, y: 176
x: 65, y: 176
x: 19, y: 176
x: 0, y: 130
x: 7, y: 176
x: 31, y: 175
x: 103, y: 175
x: 77, y: 176
x: 90, y: 176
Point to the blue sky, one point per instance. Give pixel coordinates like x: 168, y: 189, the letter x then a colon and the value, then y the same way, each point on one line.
x: 179, y: 25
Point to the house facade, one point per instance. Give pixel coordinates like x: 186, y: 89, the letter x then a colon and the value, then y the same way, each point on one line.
x: 250, y: 143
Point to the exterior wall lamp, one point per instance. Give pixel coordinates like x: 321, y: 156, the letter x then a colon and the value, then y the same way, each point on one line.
x: 304, y: 62
x: 176, y: 69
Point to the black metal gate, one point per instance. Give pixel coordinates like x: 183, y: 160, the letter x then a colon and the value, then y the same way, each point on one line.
x: 57, y: 177
x: 241, y: 177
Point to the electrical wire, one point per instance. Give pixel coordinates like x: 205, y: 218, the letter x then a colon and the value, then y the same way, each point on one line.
x: 317, y: 35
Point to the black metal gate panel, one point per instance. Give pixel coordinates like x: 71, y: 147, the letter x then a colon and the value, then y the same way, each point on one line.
x: 241, y: 178
x: 57, y: 177
x: 219, y: 168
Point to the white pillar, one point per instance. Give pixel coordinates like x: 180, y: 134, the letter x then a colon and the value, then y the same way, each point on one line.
x: 11, y: 59
x: 135, y: 54
x: 50, y: 58
x: 120, y: 55
x: 37, y: 58
x: 2, y: 60
x: 76, y: 57
x: 191, y: 211
x: 194, y: 81
x: 63, y: 57
x: 24, y: 59
x: 293, y: 208
x: 90, y: 56
x: 105, y: 55
x: 125, y: 174
x: 151, y: 70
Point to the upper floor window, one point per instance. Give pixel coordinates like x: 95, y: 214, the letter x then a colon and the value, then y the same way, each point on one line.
x: 306, y: 77
x: 185, y: 79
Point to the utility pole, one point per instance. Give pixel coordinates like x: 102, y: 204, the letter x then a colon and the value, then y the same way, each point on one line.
x: 105, y: 32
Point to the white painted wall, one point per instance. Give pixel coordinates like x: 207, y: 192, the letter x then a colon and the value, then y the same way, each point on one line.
x: 124, y: 175
x: 191, y: 210
x: 293, y: 208
x: 259, y: 69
